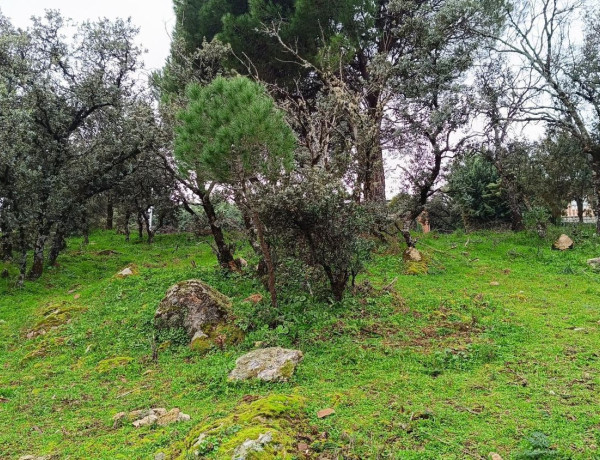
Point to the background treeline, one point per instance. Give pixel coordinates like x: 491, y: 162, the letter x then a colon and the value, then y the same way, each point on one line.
x: 278, y: 120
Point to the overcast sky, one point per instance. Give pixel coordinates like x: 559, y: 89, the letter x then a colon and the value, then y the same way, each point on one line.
x: 155, y: 19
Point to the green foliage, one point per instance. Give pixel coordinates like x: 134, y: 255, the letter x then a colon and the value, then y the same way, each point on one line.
x: 314, y: 219
x: 232, y: 130
x: 474, y: 184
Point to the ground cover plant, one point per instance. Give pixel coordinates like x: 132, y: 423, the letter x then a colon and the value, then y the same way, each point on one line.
x: 495, y: 349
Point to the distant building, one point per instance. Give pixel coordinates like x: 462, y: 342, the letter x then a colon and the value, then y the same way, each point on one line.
x: 570, y: 214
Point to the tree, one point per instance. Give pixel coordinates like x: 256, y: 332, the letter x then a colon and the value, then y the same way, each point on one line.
x: 232, y: 133
x: 76, y: 122
x: 313, y: 218
x: 567, y: 72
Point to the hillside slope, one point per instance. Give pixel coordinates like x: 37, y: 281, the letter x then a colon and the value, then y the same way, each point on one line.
x: 495, y: 350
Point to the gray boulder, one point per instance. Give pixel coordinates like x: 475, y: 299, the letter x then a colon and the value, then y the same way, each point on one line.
x: 250, y: 446
x: 203, y: 312
x: 595, y: 263
x: 269, y: 364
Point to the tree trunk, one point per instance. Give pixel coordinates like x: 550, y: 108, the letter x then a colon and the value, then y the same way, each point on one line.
x: 579, y: 202
x: 146, y: 218
x: 596, y: 179
x: 58, y: 244
x: 224, y: 253
x: 140, y: 223
x: 6, y: 246
x: 110, y: 214
x: 126, y: 226
x: 267, y: 257
x: 37, y: 268
x: 251, y: 231
x: 374, y: 182
x: 338, y: 282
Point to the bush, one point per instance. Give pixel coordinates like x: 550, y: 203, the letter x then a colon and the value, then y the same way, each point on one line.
x: 312, y: 218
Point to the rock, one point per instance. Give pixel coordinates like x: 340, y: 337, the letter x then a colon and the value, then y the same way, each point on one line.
x: 146, y: 417
x: 325, y: 413
x: 254, y: 298
x: 495, y: 456
x: 160, y: 456
x: 203, y: 312
x: 595, y: 263
x: 35, y: 457
x: 494, y: 283
x: 269, y: 364
x: 302, y: 447
x: 174, y: 415
x: 563, y: 243
x: 125, y: 273
x: 412, y: 255
x: 146, y: 421
x: 243, y: 263
x: 250, y: 446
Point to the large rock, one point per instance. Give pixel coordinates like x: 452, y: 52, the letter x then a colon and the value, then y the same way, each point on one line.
x: 269, y: 364
x: 203, y: 312
x: 563, y: 243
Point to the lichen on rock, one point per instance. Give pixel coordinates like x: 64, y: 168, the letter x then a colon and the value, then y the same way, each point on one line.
x: 202, y: 312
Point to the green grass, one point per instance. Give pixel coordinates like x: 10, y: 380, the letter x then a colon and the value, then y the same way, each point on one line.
x: 442, y: 365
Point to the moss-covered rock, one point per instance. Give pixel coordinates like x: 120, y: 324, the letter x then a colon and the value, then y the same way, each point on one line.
x: 203, y: 312
x: 415, y: 262
x: 262, y: 429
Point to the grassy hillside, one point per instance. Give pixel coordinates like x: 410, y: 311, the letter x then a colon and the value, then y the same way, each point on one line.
x: 443, y: 365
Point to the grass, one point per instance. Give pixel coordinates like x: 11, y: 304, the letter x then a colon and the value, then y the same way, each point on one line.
x: 443, y: 365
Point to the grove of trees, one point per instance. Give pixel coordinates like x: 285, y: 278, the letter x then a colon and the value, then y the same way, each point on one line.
x: 294, y: 113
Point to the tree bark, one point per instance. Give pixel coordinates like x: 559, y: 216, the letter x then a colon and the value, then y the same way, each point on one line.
x: 579, y: 202
x: 58, y: 244
x: 596, y: 179
x: 224, y: 253
x: 150, y: 232
x: 267, y: 257
x: 126, y: 226
x: 110, y: 214
x: 37, y: 268
x: 140, y: 223
x: 6, y: 247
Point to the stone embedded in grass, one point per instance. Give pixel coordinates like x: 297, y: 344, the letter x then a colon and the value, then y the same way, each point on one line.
x: 269, y: 364
x: 415, y: 263
x: 252, y: 446
x: 128, y: 271
x: 202, y: 312
x: 325, y: 413
x: 254, y: 298
x: 494, y: 283
x: 563, y: 243
x: 412, y: 255
x: 595, y: 263
x: 158, y: 416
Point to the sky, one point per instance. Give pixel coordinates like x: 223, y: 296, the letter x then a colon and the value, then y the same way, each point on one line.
x: 155, y: 18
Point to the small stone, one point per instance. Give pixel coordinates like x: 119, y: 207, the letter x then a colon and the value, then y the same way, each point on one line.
x: 495, y: 456
x: 243, y: 262
x: 76, y: 296
x: 595, y: 263
x: 183, y: 417
x: 250, y: 446
x: 325, y: 413
x: 412, y: 255
x: 118, y: 419
x: 160, y: 456
x: 563, y: 243
x: 125, y: 272
x: 159, y: 411
x: 494, y: 283
x: 303, y: 447
x: 254, y: 298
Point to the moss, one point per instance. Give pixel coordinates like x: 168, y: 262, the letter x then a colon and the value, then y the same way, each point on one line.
x: 54, y: 316
x: 417, y: 268
x: 220, y: 336
x: 280, y: 415
x: 107, y: 365
x: 287, y: 370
